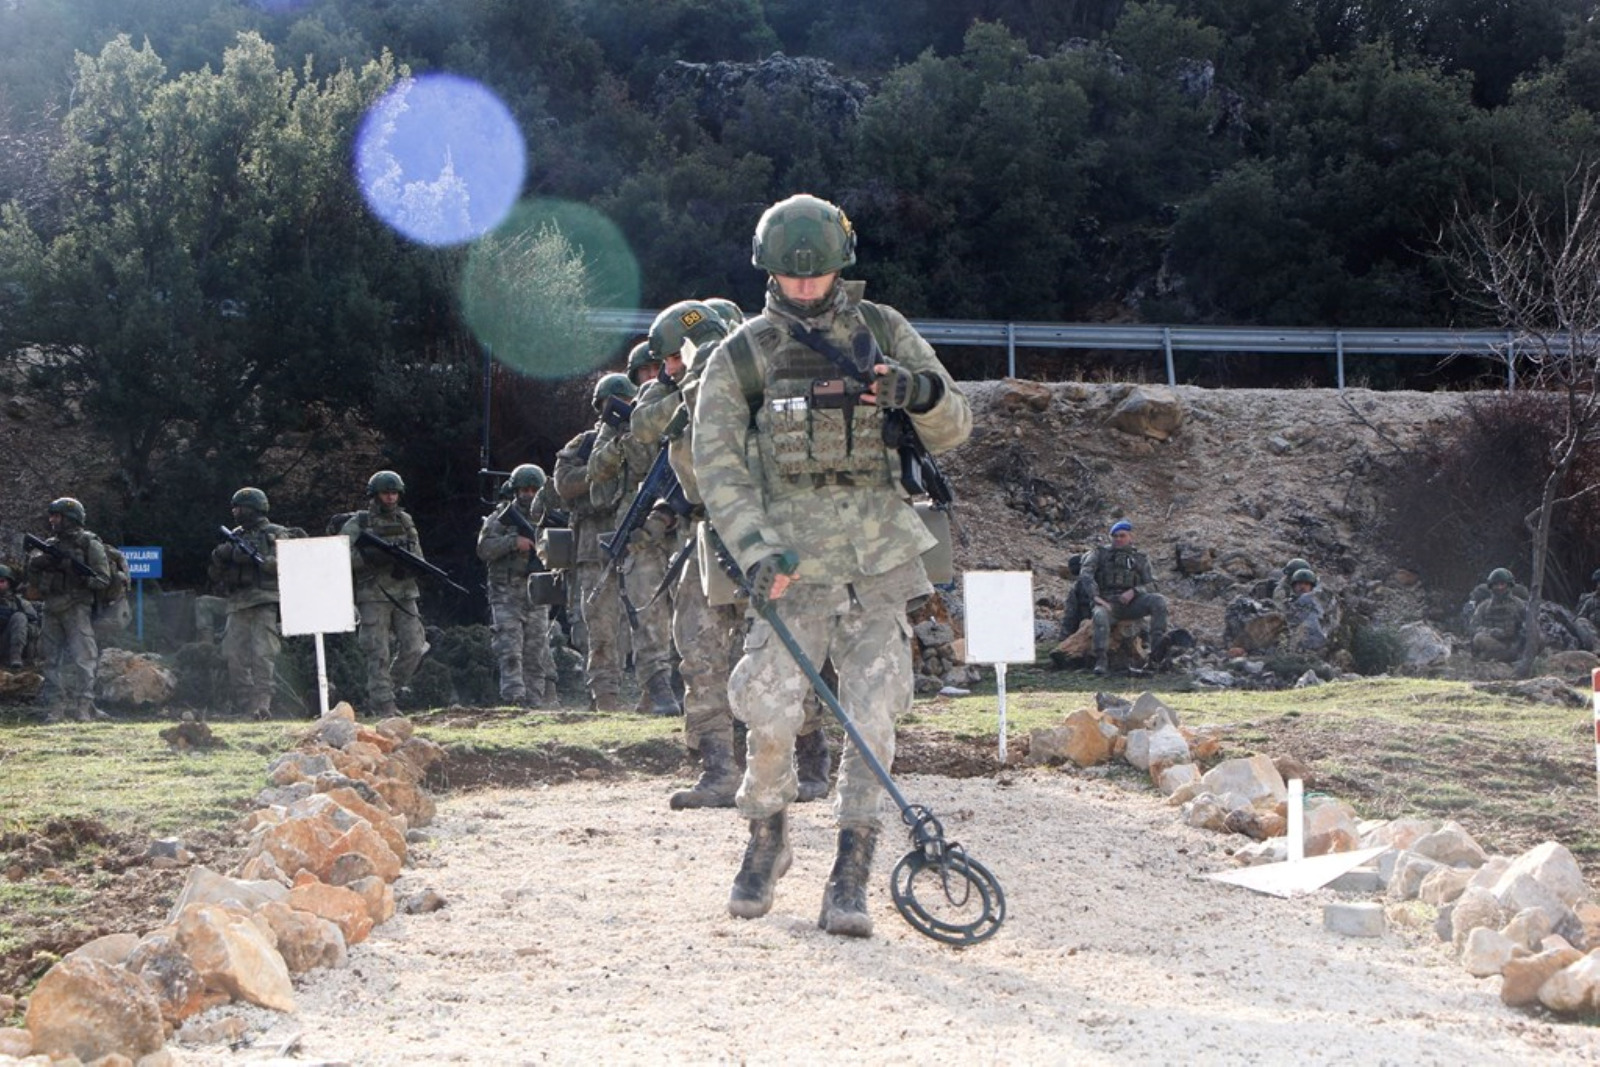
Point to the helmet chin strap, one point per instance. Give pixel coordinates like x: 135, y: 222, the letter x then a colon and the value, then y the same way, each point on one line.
x: 805, y: 308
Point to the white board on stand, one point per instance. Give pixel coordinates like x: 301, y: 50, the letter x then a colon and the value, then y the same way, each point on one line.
x: 316, y: 594
x: 999, y: 616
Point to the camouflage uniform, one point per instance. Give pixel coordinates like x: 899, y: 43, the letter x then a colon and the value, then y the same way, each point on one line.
x: 521, y: 628
x: 1106, y: 574
x: 592, y: 594
x: 387, y: 598
x: 252, y: 640
x: 67, y: 626
x: 1497, y: 627
x: 17, y: 617
x: 835, y: 500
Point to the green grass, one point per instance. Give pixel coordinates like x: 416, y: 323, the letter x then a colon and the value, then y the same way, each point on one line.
x: 40, y: 903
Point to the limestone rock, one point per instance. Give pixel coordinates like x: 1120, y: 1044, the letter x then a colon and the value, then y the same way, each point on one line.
x: 1442, y: 885
x: 305, y: 941
x: 1486, y: 952
x: 1330, y: 826
x: 1423, y: 646
x: 1354, y: 919
x: 350, y: 867
x: 112, y: 948
x: 88, y: 1008
x: 421, y: 903
x: 1523, y: 977
x: 1552, y: 866
x: 1176, y: 776
x: 1164, y: 746
x: 16, y: 1042
x: 301, y: 843
x: 1205, y: 812
x: 1047, y: 746
x: 377, y: 895
x: 399, y: 728
x: 1452, y: 846
x: 341, y: 906
x: 234, y: 956
x: 1254, y: 777
x: 1089, y: 737
x: 1149, y: 411
x: 1409, y: 871
x: 205, y: 886
x: 133, y: 678
x: 294, y: 767
x: 1014, y: 395
x: 180, y: 991
x: 1575, y: 988
x: 1149, y: 713
x: 1475, y: 908
x: 1400, y: 833
x: 1574, y: 663
x: 1529, y: 928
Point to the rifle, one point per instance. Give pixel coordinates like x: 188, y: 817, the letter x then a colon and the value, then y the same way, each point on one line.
x: 660, y: 484
x: 59, y: 554
x: 512, y: 516
x: 674, y: 569
x: 408, y: 559
x: 243, y: 546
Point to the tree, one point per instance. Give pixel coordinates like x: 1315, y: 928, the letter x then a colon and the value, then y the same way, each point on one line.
x: 210, y: 281
x: 1536, y: 266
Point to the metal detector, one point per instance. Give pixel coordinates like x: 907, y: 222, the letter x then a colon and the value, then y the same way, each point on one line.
x: 973, y: 904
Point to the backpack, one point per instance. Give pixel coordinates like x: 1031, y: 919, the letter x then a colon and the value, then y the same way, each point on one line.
x: 121, y: 577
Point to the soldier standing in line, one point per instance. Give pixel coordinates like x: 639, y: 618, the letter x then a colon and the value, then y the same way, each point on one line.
x: 17, y: 618
x: 390, y: 626
x: 1118, y: 578
x: 521, y: 628
x: 67, y: 627
x: 246, y: 567
x: 594, y: 501
x: 821, y: 527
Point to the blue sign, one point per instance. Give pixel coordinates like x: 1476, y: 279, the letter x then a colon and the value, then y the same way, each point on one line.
x: 143, y: 562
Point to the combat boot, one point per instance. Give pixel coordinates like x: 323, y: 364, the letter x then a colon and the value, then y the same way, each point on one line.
x: 812, y: 763
x: 87, y: 712
x: 766, y: 859
x: 1100, y: 665
x: 719, y: 778
x: 604, y: 700
x: 844, y: 901
x: 662, y: 700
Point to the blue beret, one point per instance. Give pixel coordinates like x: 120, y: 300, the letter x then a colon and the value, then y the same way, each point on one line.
x: 1121, y: 525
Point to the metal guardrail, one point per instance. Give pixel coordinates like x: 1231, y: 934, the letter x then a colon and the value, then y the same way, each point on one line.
x: 1441, y: 344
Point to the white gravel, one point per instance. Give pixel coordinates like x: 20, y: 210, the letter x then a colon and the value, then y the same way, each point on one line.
x: 586, y: 924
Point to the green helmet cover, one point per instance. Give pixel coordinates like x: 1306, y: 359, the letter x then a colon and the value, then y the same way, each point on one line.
x: 610, y: 385
x: 803, y: 237
x: 527, y: 476
x: 385, y: 482
x: 1500, y: 574
x: 8, y: 574
x: 640, y: 356
x: 250, y: 497
x: 1295, y: 565
x: 1304, y: 574
x: 687, y: 320
x: 729, y: 312
x: 68, y: 507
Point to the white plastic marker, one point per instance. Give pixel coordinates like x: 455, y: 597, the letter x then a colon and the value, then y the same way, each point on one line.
x: 1594, y: 681
x: 316, y: 594
x: 1297, y: 820
x: 999, y: 626
x: 1298, y: 874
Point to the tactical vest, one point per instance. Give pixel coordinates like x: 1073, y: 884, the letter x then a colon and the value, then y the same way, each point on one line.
x: 512, y: 568
x: 1508, y: 614
x: 246, y: 574
x: 1118, y: 569
x: 66, y: 581
x: 804, y: 437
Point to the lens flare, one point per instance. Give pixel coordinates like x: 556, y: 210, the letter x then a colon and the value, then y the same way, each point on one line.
x: 529, y: 286
x: 440, y: 159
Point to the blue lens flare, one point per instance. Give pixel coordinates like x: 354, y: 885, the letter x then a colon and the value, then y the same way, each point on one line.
x: 440, y: 159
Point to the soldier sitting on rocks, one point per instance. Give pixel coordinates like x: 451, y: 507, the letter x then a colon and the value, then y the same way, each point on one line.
x: 1118, y: 579
x: 1304, y: 613
x: 1284, y: 592
x: 1498, y: 622
x: 1479, y: 594
x: 19, y: 622
x: 1587, y: 615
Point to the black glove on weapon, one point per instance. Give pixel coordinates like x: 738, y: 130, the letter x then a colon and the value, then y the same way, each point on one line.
x: 762, y: 574
x: 915, y: 391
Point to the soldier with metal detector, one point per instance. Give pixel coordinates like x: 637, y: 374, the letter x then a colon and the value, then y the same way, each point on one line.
x: 822, y: 529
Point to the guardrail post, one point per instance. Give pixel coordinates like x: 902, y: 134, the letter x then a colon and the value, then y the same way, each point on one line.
x: 1511, y: 362
x: 1338, y: 352
x: 1011, y: 350
x: 1166, y: 343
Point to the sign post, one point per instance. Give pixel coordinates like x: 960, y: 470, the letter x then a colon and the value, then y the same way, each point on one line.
x: 144, y: 561
x: 999, y: 626
x: 316, y: 594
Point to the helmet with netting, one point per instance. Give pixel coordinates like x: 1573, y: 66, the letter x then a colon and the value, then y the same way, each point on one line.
x: 803, y: 237
x: 385, y: 482
x: 250, y: 497
x: 69, y: 509
x: 687, y: 320
x: 527, y: 476
x: 610, y: 385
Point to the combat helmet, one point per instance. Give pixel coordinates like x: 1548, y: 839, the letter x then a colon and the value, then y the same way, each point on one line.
x: 726, y: 309
x: 8, y: 574
x: 68, y: 508
x: 803, y: 237
x: 250, y: 497
x: 527, y: 476
x: 640, y: 356
x: 1295, y: 565
x: 1594, y: 579
x: 687, y: 320
x: 611, y: 385
x: 1499, y: 574
x: 1304, y: 574
x: 385, y: 482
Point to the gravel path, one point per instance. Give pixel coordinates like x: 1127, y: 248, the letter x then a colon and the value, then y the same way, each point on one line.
x: 586, y: 923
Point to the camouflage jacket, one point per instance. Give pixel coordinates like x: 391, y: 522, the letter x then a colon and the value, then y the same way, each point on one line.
x: 658, y: 404
x: 1589, y: 608
x: 13, y: 602
x: 509, y: 566
x: 851, y: 523
x: 377, y: 576
x: 245, y: 583
x: 1108, y: 571
x: 1500, y: 617
x: 60, y: 583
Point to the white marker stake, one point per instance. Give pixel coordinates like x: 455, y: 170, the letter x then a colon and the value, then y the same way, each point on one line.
x: 999, y: 626
x: 1594, y: 681
x: 322, y: 674
x: 1297, y: 820
x: 315, y: 590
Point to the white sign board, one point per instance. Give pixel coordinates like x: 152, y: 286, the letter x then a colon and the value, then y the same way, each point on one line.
x: 316, y: 594
x: 999, y: 616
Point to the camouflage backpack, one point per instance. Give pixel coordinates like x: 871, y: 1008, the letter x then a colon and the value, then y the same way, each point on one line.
x: 121, y: 577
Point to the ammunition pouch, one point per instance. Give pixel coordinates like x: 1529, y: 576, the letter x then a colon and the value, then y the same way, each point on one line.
x: 547, y: 587
x: 938, y: 561
x: 714, y: 581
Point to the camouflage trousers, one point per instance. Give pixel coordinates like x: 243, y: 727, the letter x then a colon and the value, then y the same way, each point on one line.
x: 605, y: 620
x: 1487, y: 646
x: 652, y: 641
x: 706, y: 637
x: 250, y: 647
x: 393, y: 641
x: 13, y: 639
x: 70, y: 655
x: 521, y: 643
x: 871, y: 651
x: 1153, y: 605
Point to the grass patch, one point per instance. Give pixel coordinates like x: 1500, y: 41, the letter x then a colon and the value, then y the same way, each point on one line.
x: 39, y: 904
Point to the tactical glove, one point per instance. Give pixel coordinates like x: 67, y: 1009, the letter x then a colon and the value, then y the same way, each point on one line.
x: 605, y: 463
x: 916, y: 391
x: 763, y: 573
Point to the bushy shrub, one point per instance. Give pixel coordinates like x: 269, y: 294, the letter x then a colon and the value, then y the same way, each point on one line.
x: 1376, y: 649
